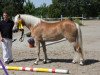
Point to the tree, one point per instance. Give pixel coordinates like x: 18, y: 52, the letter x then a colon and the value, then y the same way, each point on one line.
x: 1, y: 6
x: 29, y: 8
x: 13, y: 7
x: 54, y: 9
x: 76, y: 7
x: 18, y: 5
x: 42, y: 10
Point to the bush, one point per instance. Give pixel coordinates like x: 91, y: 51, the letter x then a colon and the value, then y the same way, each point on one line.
x: 78, y: 21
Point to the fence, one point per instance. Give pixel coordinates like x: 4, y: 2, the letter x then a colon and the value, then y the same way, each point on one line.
x: 62, y: 18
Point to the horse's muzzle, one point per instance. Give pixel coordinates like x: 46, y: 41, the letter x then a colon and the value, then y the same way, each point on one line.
x: 15, y: 30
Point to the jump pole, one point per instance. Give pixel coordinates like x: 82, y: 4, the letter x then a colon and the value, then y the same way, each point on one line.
x: 53, y: 70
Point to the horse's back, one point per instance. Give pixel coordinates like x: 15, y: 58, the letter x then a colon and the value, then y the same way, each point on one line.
x: 65, y: 25
x: 56, y: 31
x: 61, y: 27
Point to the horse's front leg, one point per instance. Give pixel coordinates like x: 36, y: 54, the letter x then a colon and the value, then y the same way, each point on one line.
x: 44, y: 50
x: 38, y: 52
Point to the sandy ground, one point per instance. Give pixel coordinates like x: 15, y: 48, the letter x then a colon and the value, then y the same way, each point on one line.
x: 60, y: 54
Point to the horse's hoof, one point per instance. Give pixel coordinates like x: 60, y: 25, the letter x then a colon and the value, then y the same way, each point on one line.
x: 73, y: 62
x: 44, y: 62
x: 81, y: 63
x: 36, y: 63
x: 48, y: 61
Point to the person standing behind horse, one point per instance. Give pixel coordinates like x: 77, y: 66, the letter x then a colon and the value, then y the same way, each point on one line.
x: 6, y: 26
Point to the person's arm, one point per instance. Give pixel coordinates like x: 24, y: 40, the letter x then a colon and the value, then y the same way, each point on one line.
x: 0, y: 36
x: 0, y: 32
x: 1, y: 39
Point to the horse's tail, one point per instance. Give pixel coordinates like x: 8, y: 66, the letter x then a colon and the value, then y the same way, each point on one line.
x: 79, y: 38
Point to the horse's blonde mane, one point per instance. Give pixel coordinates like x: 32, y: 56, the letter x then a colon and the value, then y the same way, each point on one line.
x: 29, y: 19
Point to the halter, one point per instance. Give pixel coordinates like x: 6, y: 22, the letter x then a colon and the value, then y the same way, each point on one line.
x: 20, y: 27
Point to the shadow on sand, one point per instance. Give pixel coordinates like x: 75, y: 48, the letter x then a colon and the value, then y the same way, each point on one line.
x: 86, y: 62
x: 91, y: 61
x: 24, y: 60
x: 52, y: 60
x: 61, y: 60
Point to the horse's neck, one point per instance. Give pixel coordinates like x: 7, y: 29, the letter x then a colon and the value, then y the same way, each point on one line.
x: 31, y: 20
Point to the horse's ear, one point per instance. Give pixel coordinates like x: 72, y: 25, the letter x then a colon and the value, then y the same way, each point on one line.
x: 19, y: 16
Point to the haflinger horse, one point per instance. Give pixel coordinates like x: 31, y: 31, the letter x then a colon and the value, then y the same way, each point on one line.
x: 42, y: 31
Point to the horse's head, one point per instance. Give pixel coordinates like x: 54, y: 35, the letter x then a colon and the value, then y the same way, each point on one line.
x: 18, y: 23
x: 26, y: 20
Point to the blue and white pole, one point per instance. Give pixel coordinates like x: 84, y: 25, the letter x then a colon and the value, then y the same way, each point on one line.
x: 3, y: 67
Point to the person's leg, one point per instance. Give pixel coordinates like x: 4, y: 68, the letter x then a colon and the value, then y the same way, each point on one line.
x: 5, y: 50
x: 9, y: 48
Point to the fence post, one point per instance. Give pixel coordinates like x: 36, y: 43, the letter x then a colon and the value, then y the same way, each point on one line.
x: 61, y: 17
x: 82, y: 19
x: 41, y: 17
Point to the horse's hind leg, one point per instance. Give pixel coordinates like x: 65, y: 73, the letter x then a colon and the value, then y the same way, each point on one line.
x: 79, y: 54
x: 38, y: 52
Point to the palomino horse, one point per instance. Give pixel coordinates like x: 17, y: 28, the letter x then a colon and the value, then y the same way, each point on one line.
x: 42, y: 31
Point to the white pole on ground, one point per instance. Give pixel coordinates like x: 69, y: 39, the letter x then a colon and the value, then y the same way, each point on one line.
x: 53, y: 70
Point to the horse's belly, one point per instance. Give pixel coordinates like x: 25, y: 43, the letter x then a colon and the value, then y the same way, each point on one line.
x: 53, y: 38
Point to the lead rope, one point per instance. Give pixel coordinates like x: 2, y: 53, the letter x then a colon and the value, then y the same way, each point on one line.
x: 22, y: 36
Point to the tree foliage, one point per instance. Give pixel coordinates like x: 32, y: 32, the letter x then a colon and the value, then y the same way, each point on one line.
x: 89, y: 8
x: 29, y: 8
x: 13, y: 7
x: 77, y: 7
x: 42, y: 11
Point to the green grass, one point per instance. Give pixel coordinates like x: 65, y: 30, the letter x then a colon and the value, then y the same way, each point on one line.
x: 79, y: 22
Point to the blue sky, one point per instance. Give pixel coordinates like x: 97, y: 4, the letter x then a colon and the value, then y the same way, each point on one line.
x: 37, y: 3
